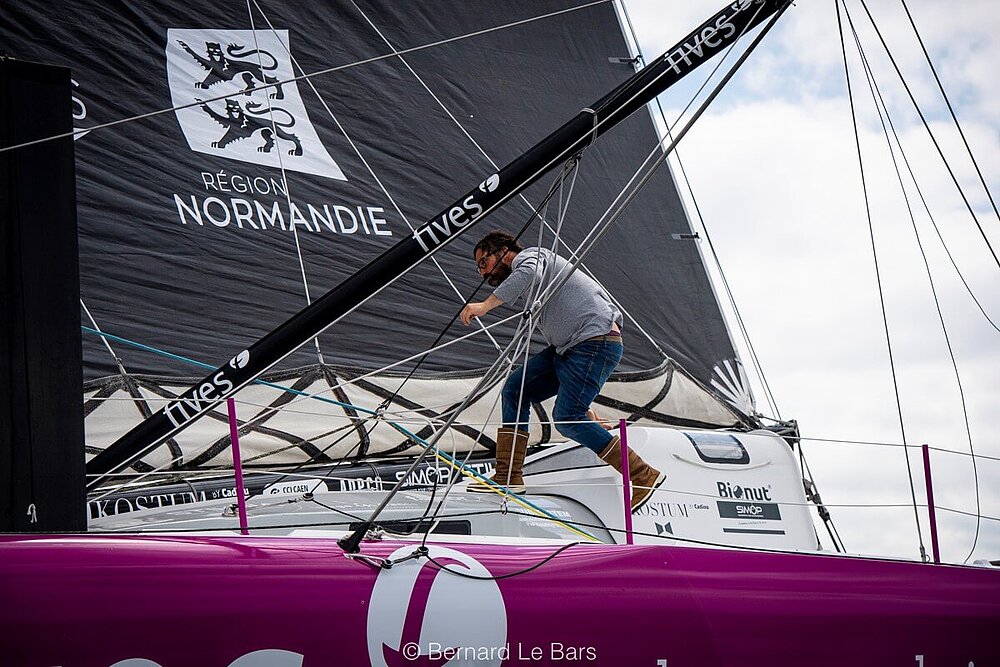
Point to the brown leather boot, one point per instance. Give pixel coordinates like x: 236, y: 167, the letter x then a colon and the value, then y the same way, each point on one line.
x: 643, y: 477
x: 512, y: 445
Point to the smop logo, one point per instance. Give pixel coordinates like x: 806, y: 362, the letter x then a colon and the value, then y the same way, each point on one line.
x: 266, y: 126
x: 420, y: 615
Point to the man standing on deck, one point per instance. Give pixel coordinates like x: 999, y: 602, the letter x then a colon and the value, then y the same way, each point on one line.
x: 583, y: 329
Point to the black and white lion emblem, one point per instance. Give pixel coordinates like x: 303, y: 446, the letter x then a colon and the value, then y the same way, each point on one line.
x: 225, y: 67
x: 242, y: 123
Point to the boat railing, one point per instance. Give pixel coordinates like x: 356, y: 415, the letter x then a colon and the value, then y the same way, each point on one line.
x: 929, y: 510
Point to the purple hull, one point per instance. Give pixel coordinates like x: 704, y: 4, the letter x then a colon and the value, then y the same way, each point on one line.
x: 90, y: 601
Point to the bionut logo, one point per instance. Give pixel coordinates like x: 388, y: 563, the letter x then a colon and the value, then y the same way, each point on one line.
x: 418, y: 612
x: 260, y: 120
x: 727, y: 490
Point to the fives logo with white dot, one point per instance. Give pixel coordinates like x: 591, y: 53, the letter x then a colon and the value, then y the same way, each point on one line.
x: 240, y: 360
x: 490, y: 184
x: 461, y: 214
x: 201, y: 397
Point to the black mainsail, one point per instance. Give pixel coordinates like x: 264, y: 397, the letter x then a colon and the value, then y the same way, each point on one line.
x: 190, y: 227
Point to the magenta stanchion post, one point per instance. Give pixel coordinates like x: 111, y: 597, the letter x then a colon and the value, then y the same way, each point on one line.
x: 930, y: 502
x: 241, y: 501
x: 626, y: 485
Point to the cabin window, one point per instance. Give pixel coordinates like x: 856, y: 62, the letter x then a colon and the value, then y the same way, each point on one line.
x: 718, y: 447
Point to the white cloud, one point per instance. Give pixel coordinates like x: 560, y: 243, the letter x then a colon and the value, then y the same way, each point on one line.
x: 774, y: 167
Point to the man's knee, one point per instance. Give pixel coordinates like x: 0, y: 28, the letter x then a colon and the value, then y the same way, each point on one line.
x: 511, y: 390
x: 566, y: 420
x: 564, y: 428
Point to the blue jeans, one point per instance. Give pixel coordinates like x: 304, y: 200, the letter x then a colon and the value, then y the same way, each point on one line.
x: 574, y: 378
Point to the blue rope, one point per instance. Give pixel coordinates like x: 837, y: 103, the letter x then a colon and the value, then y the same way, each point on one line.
x: 195, y: 362
x: 413, y: 436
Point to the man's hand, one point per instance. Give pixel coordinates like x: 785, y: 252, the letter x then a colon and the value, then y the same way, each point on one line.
x: 478, y: 309
x: 473, y: 310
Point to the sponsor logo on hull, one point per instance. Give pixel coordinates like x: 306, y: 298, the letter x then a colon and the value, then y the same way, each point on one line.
x: 744, y: 504
x: 419, y: 615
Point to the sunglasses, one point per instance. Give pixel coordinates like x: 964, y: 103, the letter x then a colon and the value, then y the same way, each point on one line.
x: 481, y: 264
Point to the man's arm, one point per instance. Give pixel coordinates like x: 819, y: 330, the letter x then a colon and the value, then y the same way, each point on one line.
x: 479, y: 308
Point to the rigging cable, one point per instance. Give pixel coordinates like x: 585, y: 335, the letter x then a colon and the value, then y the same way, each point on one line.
x: 305, y: 77
x: 492, y: 162
x: 934, y: 140
x: 328, y: 70
x: 131, y: 386
x: 947, y: 101
x: 822, y: 509
x: 531, y: 315
x: 937, y: 230
x: 811, y: 483
x: 569, y: 167
x: 462, y: 468
x: 522, y: 340
x: 498, y: 577
x: 349, y: 381
x: 541, y: 268
x: 877, y: 98
x: 538, y: 510
x: 118, y: 361
x: 301, y: 395
x: 528, y: 313
x: 718, y: 263
x: 204, y: 365
x: 351, y: 543
x: 878, y: 275
x: 634, y: 186
x: 284, y: 176
x: 783, y: 8
x: 364, y: 161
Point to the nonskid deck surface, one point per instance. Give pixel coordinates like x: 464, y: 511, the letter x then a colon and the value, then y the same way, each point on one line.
x: 466, y: 514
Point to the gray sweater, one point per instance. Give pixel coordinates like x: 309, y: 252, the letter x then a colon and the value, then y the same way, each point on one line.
x: 580, y: 309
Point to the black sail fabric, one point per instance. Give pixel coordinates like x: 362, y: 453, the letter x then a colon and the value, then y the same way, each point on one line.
x: 255, y: 189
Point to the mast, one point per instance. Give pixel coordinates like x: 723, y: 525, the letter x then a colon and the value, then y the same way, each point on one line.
x: 712, y: 36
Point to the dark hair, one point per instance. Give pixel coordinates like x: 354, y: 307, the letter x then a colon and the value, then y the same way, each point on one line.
x: 495, y: 242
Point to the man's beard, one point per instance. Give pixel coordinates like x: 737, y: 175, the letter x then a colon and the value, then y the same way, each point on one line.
x: 499, y: 274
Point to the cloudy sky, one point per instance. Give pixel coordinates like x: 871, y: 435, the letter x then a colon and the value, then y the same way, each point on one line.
x: 774, y: 169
